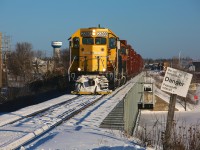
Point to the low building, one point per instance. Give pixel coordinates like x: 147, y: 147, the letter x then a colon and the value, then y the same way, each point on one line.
x: 196, y: 65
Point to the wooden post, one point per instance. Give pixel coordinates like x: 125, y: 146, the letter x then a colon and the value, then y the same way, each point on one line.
x: 169, y: 124
x: 185, y: 104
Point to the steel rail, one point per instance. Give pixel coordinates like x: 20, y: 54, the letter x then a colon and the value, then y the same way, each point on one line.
x: 34, y: 113
x: 67, y: 114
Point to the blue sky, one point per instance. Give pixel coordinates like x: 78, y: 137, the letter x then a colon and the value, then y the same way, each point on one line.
x: 154, y: 28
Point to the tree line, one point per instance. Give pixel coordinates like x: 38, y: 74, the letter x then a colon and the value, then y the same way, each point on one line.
x: 20, y: 62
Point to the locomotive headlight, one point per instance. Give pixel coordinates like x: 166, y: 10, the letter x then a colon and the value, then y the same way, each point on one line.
x: 93, y: 32
x: 104, y: 69
x: 79, y: 69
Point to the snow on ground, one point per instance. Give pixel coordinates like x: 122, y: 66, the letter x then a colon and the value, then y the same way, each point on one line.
x: 156, y: 120
x: 191, y: 116
x: 82, y: 131
x: 82, y: 138
x: 13, y: 116
x: 166, y: 97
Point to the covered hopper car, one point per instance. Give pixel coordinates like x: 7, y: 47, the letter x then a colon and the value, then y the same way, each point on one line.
x: 100, y: 62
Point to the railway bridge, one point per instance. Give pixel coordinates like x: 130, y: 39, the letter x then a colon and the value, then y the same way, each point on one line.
x: 125, y: 114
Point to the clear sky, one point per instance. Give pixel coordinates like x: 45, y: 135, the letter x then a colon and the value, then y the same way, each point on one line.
x: 154, y: 28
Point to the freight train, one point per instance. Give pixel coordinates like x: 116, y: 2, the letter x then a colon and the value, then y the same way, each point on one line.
x: 100, y: 62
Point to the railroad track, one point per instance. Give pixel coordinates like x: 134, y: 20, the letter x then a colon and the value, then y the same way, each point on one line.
x: 34, y: 110
x: 23, y: 130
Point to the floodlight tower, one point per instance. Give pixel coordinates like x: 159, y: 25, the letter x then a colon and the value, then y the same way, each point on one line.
x: 56, y: 48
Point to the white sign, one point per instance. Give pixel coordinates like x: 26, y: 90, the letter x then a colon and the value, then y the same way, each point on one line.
x: 176, y: 82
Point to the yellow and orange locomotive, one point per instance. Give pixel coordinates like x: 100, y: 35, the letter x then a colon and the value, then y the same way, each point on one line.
x: 99, y: 61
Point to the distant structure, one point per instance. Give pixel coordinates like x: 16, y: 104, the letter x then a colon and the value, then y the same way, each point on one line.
x: 56, y: 49
x: 196, y: 65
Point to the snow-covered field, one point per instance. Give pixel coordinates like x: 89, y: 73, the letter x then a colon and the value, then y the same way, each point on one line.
x: 190, y: 117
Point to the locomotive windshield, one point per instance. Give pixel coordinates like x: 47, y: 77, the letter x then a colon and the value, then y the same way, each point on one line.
x: 100, y: 41
x: 90, y: 41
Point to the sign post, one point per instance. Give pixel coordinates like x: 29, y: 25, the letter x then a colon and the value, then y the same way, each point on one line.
x: 169, y: 124
x: 175, y: 82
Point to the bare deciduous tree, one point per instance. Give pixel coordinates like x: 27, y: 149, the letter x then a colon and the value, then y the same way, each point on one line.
x: 65, y: 58
x: 39, y: 54
x: 20, y: 61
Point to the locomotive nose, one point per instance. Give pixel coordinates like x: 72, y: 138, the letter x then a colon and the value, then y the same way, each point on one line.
x: 92, y: 84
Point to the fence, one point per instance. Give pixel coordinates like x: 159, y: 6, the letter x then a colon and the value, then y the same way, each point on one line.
x: 131, y: 104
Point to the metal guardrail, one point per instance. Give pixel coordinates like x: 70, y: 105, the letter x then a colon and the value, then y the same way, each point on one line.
x: 125, y: 113
x: 131, y: 104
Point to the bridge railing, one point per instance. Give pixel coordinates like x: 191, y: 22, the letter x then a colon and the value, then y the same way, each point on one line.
x: 131, y: 104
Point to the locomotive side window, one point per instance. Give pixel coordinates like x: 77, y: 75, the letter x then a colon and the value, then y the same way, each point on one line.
x: 100, y: 41
x: 112, y: 43
x: 76, y: 42
x: 88, y: 41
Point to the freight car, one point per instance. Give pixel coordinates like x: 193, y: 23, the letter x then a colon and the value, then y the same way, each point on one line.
x: 100, y: 62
